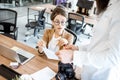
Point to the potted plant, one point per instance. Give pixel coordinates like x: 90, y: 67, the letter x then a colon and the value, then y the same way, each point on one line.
x: 23, y: 77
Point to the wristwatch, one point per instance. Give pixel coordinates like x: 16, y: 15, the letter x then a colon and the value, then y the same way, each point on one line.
x: 41, y: 53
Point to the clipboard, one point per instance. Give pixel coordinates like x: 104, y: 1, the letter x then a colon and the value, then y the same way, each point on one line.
x: 7, y: 72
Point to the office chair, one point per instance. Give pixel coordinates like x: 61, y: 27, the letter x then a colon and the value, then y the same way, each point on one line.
x: 8, y: 19
x: 84, y: 6
x: 37, y: 25
x: 74, y: 34
x: 75, y: 22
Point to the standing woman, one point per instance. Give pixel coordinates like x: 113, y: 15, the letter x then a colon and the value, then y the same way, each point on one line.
x: 100, y: 60
x: 55, y: 38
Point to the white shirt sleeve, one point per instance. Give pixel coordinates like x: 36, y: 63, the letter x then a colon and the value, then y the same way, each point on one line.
x: 104, y: 51
x: 80, y: 58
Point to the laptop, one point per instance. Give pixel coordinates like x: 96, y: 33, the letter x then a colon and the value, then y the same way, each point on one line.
x: 16, y: 54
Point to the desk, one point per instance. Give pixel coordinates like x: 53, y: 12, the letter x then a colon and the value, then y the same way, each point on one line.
x: 91, y: 19
x: 48, y: 7
x: 35, y: 64
x: 35, y: 8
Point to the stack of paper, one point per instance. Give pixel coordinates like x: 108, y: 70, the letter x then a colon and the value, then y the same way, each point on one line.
x: 43, y: 74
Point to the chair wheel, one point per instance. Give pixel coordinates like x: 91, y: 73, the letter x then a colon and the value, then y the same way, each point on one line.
x: 25, y: 40
x: 37, y: 37
x: 26, y: 35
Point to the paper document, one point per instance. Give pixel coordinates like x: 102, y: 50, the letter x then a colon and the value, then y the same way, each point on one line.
x: 43, y: 74
x: 50, y: 54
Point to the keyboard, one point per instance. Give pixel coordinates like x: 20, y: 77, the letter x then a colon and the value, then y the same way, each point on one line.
x: 7, y: 72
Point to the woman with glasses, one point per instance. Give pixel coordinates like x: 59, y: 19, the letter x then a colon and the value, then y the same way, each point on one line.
x: 56, y: 38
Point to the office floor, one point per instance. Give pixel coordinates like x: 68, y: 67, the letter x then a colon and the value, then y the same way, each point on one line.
x: 22, y: 21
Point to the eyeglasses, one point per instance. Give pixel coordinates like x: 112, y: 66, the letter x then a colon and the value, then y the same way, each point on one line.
x: 58, y: 23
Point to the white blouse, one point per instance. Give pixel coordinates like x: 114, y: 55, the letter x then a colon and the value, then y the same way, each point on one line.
x: 53, y: 44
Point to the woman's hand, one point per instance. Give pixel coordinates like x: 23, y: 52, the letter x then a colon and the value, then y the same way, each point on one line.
x: 41, y: 45
x: 71, y: 47
x: 62, y: 42
x: 65, y: 56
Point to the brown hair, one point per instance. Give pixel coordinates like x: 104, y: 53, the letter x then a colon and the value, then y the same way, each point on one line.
x: 59, y: 10
x: 101, y: 5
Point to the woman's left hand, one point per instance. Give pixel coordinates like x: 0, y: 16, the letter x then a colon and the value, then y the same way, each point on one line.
x: 62, y: 42
x: 71, y: 47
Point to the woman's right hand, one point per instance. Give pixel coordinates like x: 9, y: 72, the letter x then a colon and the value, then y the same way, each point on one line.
x: 62, y: 42
x: 71, y: 47
x: 41, y: 45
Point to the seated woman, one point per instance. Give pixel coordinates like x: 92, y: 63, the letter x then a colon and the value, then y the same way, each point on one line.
x: 55, y: 38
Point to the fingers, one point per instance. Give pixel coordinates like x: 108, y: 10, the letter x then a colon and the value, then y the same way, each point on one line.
x: 40, y: 49
x: 68, y: 47
x: 57, y: 53
x: 62, y: 42
x: 71, y: 47
x: 40, y: 46
x: 40, y: 43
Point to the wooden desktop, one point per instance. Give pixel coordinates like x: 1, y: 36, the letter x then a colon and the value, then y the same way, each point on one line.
x: 35, y: 64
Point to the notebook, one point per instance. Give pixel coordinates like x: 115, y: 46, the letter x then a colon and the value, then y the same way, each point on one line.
x: 16, y: 54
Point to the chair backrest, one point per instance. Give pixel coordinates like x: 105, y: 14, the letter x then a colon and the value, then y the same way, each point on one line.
x: 41, y: 13
x: 87, y: 4
x: 75, y: 21
x: 8, y: 19
x: 84, y: 6
x: 41, y: 18
x: 76, y: 16
x: 74, y: 34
